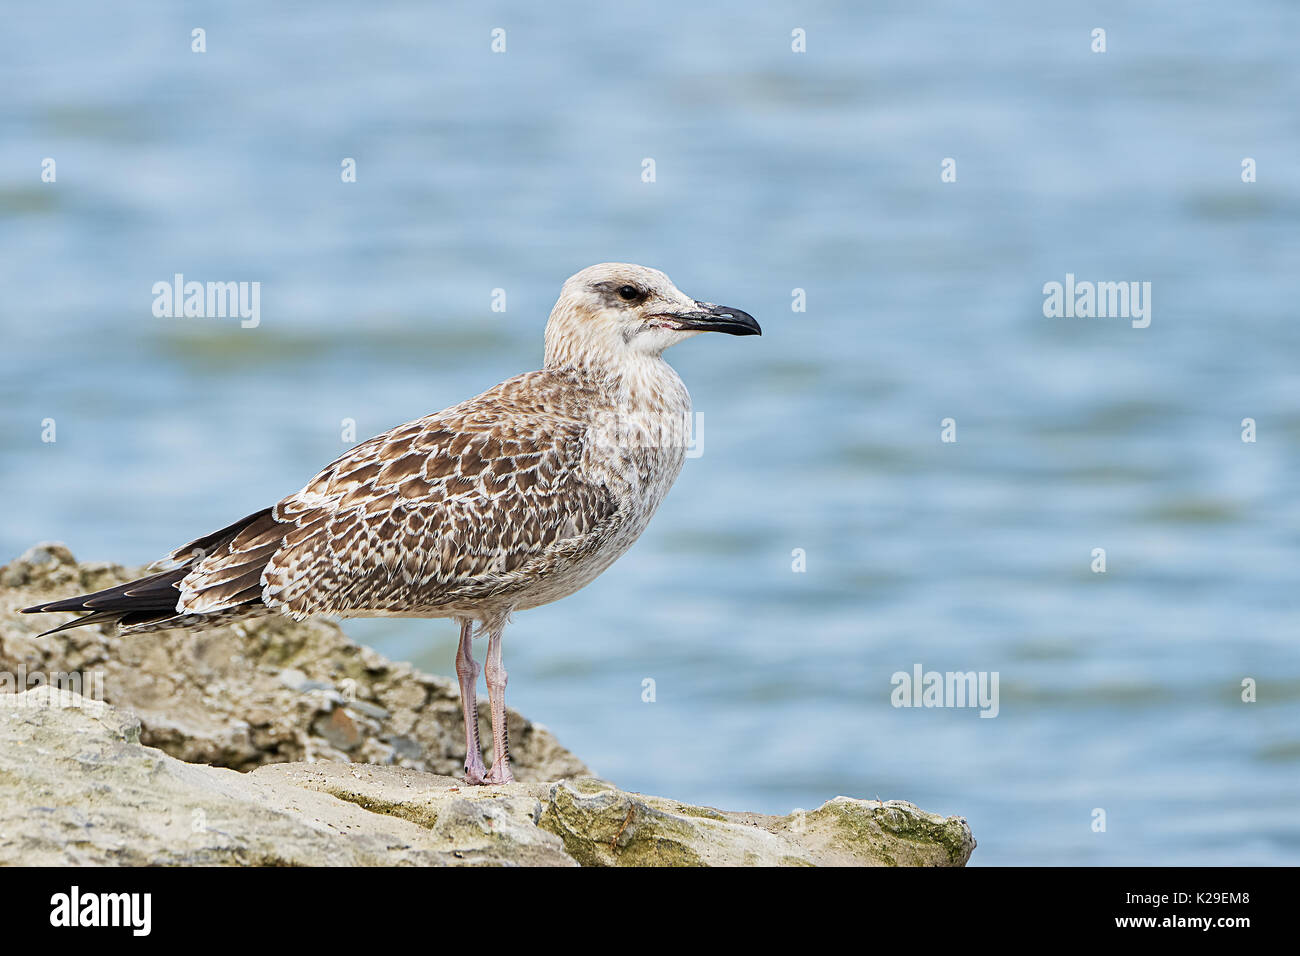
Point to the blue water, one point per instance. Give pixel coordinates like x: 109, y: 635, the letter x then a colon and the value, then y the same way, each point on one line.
x: 774, y: 171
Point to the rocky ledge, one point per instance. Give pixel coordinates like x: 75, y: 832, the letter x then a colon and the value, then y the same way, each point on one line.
x: 280, y: 743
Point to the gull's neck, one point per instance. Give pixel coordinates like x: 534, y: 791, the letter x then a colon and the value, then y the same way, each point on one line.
x: 631, y: 378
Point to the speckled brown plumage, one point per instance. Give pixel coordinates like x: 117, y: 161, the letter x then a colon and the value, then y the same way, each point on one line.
x: 470, y: 505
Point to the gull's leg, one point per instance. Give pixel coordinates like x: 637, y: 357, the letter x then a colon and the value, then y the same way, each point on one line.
x: 467, y: 673
x: 496, y: 682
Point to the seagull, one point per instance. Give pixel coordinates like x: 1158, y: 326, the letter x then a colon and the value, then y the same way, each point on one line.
x: 508, y: 501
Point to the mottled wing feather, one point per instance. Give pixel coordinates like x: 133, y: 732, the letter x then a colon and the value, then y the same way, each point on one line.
x: 454, y: 508
x: 231, y: 575
x: 208, y: 544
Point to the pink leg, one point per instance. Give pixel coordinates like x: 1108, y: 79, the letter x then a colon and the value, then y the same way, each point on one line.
x: 467, y: 673
x: 496, y: 682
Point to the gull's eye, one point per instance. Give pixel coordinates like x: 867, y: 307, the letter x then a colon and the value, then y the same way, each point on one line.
x: 629, y: 292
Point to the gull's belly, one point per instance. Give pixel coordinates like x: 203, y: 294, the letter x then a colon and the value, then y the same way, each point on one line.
x: 562, y: 581
x: 573, y: 572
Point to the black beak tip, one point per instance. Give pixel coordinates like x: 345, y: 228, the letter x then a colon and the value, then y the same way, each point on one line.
x: 718, y: 318
x: 736, y: 321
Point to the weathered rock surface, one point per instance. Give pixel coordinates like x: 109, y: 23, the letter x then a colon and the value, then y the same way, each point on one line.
x: 280, y: 743
x: 78, y: 787
x: 265, y: 691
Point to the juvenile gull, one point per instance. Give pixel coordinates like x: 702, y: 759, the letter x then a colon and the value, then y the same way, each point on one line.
x: 507, y: 501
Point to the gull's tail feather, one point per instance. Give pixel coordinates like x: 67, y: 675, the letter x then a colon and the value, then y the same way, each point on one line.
x: 152, y: 603
x: 143, y: 601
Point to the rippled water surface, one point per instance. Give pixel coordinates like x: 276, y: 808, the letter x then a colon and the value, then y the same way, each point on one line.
x: 775, y: 171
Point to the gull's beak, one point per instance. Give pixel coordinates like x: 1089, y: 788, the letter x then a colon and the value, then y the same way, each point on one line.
x: 707, y: 317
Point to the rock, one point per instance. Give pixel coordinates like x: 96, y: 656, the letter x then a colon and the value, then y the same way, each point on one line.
x: 274, y: 742
x: 77, y: 786
x: 265, y: 691
x: 481, y: 825
x: 603, y: 826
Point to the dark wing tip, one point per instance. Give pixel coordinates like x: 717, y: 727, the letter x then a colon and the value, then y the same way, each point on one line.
x: 98, y: 617
x: 35, y: 609
x: 67, y: 604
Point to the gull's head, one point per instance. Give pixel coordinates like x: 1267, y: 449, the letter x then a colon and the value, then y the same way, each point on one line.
x: 609, y: 310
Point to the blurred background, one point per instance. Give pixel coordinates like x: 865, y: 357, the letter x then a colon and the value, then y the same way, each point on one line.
x: 775, y: 171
